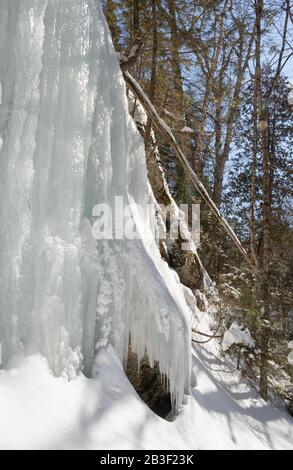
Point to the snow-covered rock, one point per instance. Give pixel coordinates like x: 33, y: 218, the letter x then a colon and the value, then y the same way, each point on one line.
x: 237, y: 334
x: 187, y: 130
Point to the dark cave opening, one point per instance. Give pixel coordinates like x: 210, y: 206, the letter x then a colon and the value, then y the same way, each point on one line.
x: 149, y: 383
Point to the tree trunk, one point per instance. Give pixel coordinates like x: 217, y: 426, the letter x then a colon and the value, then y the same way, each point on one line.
x: 177, y: 101
x: 135, y: 19
x: 175, y: 58
x: 256, y: 104
x: 223, y: 156
x: 153, y: 81
x: 217, y: 44
x: 218, y: 180
x: 265, y: 253
x: 265, y: 261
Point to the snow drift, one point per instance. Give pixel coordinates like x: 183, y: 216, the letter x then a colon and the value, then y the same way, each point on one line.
x: 39, y: 411
x: 68, y: 143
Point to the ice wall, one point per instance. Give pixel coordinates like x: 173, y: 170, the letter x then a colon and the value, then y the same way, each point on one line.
x: 67, y: 143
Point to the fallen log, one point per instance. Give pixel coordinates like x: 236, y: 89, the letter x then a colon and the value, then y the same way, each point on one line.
x: 168, y: 135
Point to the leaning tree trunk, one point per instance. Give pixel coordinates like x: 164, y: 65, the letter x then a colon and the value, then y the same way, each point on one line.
x: 167, y: 134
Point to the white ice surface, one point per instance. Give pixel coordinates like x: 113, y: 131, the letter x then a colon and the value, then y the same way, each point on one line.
x: 69, y: 144
x: 39, y: 411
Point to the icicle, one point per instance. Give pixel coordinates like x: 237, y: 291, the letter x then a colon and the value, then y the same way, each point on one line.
x: 68, y: 144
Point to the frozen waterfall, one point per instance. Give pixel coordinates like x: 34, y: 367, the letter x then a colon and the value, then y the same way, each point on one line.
x: 67, y: 143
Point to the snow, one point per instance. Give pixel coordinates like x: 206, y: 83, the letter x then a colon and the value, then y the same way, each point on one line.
x: 229, y: 413
x: 187, y: 130
x: 237, y: 334
x: 40, y: 411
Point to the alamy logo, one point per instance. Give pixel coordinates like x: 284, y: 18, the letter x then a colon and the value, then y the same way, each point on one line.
x: 135, y: 221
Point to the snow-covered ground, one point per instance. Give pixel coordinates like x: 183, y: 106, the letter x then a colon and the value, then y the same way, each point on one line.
x: 40, y: 411
x: 230, y: 414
